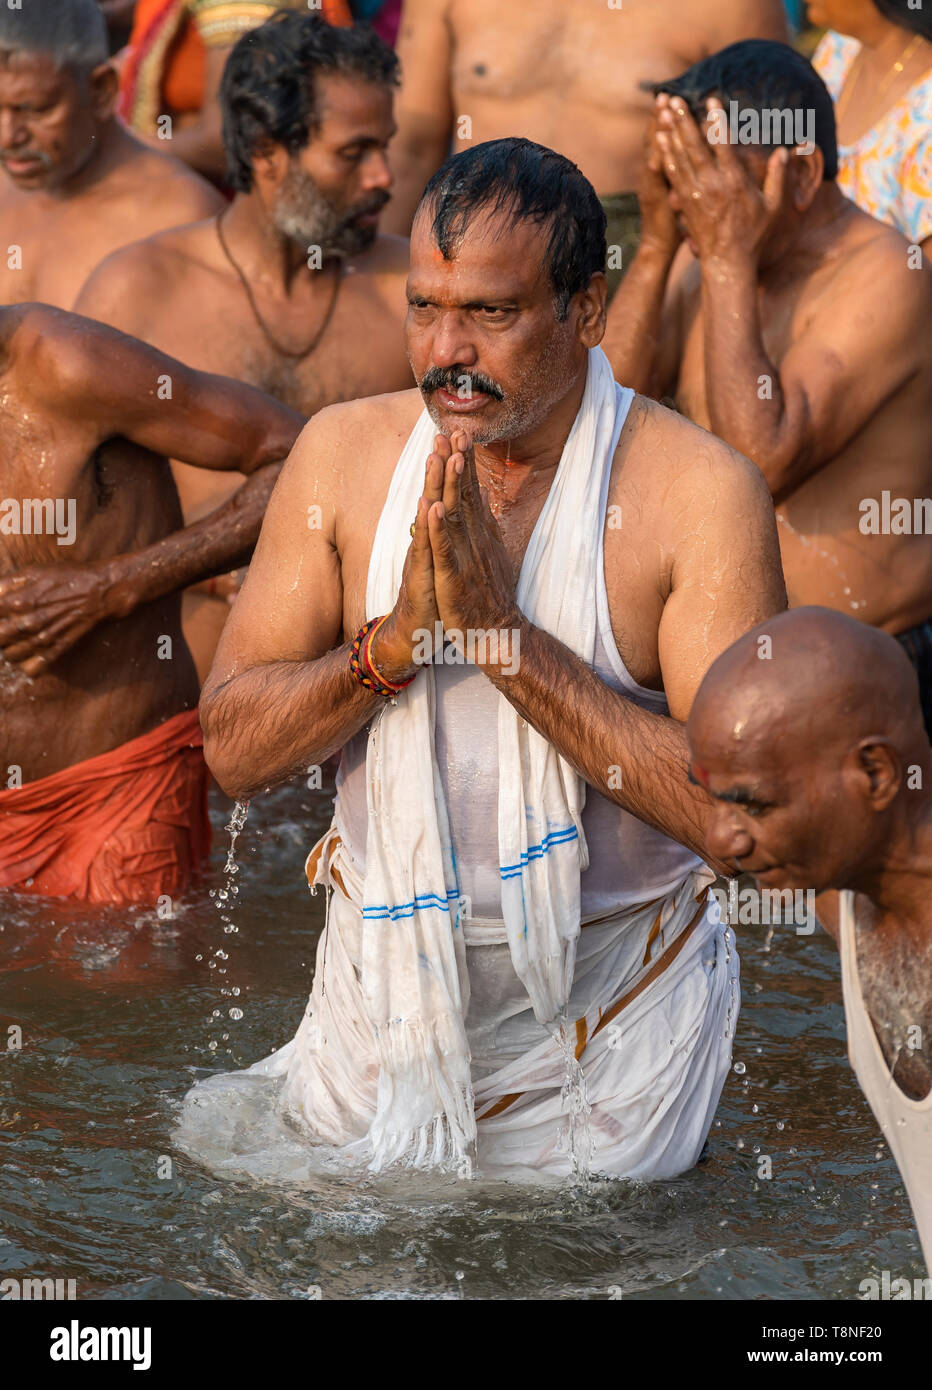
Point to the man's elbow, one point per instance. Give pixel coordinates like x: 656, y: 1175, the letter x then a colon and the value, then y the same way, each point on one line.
x: 219, y: 752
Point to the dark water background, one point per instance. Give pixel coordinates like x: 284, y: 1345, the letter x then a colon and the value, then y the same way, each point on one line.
x: 119, y: 1013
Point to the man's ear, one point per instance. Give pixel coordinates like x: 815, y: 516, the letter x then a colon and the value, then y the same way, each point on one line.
x: 270, y: 164
x: 104, y: 85
x: 879, y: 771
x: 592, y: 306
x: 807, y: 166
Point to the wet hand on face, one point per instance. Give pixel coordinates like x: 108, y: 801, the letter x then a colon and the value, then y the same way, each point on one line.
x: 726, y: 203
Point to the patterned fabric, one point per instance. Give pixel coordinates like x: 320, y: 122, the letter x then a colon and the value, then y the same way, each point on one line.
x: 167, y: 48
x: 888, y: 172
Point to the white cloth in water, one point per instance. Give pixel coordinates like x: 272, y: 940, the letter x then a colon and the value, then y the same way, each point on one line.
x: 906, y: 1123
x: 654, y: 1071
x: 414, y: 978
x: 651, y: 1072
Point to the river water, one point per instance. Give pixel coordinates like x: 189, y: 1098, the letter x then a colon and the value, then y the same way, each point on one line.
x: 120, y: 1012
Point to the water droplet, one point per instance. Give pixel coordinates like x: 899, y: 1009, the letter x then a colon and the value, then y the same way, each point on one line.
x: 460, y: 1274
x: 780, y: 1124
x: 754, y: 1109
x: 740, y: 1144
x: 236, y: 1013
x: 740, y: 1068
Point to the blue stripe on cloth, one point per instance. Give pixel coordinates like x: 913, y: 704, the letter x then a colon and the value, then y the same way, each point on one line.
x: 556, y: 837
x: 420, y: 903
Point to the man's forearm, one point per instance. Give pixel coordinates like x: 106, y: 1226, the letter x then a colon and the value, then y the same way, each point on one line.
x: 416, y: 160
x: 632, y: 329
x: 268, y: 723
x: 216, y: 544
x: 745, y: 398
x: 634, y: 758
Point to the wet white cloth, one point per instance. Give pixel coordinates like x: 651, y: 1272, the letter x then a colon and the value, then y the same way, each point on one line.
x: 644, y: 1092
x: 906, y: 1123
x: 414, y: 979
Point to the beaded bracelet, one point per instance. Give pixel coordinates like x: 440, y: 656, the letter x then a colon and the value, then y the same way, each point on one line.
x: 361, y: 662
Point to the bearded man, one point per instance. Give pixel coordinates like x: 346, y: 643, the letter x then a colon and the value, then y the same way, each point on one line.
x: 282, y: 287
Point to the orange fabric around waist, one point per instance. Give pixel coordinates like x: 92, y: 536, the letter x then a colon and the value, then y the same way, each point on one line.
x: 124, y: 827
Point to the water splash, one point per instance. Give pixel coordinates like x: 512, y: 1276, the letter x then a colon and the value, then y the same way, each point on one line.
x: 225, y: 899
x: 577, y: 1135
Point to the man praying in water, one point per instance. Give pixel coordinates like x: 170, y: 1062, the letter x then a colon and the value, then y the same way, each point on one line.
x: 812, y: 744
x: 494, y: 930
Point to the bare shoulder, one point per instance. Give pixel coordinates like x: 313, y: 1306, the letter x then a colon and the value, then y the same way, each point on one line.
x: 54, y: 355
x: 159, y: 263
x: 878, y: 267
x: 12, y: 320
x: 674, y: 466
x: 354, y: 443
x: 174, y: 193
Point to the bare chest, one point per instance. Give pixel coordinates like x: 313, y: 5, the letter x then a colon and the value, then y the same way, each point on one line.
x: 582, y: 48
x: 897, y: 990
x: 48, y: 249
x: 631, y: 567
x: 307, y: 358
x: 785, y: 316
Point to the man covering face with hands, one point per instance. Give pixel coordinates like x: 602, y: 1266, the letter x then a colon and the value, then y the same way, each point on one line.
x: 793, y: 325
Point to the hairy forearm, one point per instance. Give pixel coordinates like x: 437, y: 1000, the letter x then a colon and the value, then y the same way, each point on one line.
x: 636, y: 759
x: 218, y: 543
x: 270, y: 722
x: 745, y: 398
x: 632, y: 329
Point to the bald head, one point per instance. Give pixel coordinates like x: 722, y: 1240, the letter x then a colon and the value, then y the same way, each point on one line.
x: 809, y: 733
x: 815, y: 677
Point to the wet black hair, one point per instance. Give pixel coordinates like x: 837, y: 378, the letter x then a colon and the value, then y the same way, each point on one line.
x: 899, y: 12
x: 526, y: 182
x: 268, y: 87
x: 760, y: 74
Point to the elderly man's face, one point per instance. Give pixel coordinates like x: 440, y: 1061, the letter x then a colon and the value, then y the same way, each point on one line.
x: 784, y: 812
x: 49, y: 120
x: 484, y: 342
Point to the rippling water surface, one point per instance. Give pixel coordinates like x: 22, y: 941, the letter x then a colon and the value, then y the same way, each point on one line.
x: 120, y: 1013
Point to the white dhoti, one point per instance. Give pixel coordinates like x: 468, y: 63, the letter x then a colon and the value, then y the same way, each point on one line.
x: 655, y: 1001
x: 437, y: 1039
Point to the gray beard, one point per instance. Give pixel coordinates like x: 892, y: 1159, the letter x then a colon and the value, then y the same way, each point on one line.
x: 305, y: 216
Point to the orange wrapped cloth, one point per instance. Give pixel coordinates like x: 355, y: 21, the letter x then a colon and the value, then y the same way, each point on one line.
x: 125, y: 827
x: 166, y: 63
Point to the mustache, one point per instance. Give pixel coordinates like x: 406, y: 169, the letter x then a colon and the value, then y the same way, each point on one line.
x: 21, y: 156
x: 451, y: 379
x: 374, y: 204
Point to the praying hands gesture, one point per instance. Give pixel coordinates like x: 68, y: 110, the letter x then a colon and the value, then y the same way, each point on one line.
x: 457, y: 569
x: 726, y: 214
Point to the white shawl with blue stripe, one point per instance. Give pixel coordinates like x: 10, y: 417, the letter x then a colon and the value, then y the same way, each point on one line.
x: 413, y: 967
